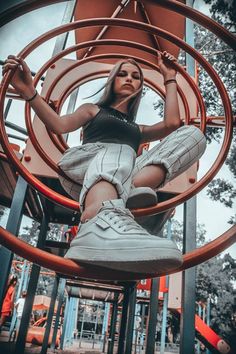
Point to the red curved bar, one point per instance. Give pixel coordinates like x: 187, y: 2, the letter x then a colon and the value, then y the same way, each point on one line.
x: 83, y: 80
x: 177, y: 200
x: 199, y: 18
x: 209, y: 250
x: 228, y: 131
x: 60, y: 144
x: 171, y: 5
x: 69, y: 267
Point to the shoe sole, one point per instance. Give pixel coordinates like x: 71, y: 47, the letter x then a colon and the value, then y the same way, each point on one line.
x: 167, y: 259
x: 141, y: 201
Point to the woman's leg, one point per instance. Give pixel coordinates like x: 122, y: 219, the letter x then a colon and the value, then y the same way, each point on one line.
x: 171, y: 157
x: 100, y: 192
x: 151, y: 176
x: 108, y: 177
x: 108, y: 235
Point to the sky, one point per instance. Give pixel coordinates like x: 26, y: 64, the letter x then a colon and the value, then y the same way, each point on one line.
x: 23, y: 30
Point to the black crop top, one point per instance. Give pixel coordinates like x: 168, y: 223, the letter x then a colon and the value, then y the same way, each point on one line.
x: 112, y: 126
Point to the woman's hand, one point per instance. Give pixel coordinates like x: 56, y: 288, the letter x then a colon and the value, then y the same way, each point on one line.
x: 164, y: 61
x: 22, y: 79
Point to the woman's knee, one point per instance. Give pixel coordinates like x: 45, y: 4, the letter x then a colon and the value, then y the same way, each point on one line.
x: 196, y: 136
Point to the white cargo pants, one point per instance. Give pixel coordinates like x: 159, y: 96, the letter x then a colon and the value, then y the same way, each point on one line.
x: 117, y: 163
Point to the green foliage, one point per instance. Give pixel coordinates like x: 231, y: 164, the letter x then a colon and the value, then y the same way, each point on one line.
x: 223, y: 11
x: 222, y: 191
x: 2, y: 211
x: 177, y: 233
x: 30, y: 233
x: 223, y: 60
x: 215, y: 279
x: 55, y: 232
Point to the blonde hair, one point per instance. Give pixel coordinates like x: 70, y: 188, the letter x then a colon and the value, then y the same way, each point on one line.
x: 108, y: 96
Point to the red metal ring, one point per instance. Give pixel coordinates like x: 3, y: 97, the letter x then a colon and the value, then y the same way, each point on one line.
x: 69, y: 267
x: 223, y: 240
x: 59, y: 141
x: 177, y: 200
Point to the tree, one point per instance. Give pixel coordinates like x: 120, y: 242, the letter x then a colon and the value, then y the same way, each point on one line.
x: 2, y: 211
x: 223, y: 59
x: 215, y: 279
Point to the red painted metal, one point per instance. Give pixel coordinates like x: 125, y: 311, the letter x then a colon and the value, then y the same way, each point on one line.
x: 192, y: 258
x: 62, y: 146
x: 119, y: 22
x: 69, y: 267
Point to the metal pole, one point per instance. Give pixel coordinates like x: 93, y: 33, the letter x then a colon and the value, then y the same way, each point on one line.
x: 131, y: 315
x: 114, y: 313
x: 60, y: 301
x: 152, y: 317
x: 187, y: 322
x: 123, y: 323
x: 143, y: 307
x: 208, y: 317
x: 164, y: 322
x: 32, y: 286
x: 165, y: 296
x: 50, y: 316
x: 19, y: 291
x: 13, y: 225
x: 66, y: 313
x: 105, y: 324
x: 198, y: 342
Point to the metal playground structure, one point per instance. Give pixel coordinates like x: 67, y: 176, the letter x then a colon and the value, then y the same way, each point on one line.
x: 113, y: 29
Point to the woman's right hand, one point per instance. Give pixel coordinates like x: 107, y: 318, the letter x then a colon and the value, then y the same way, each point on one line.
x: 22, y: 79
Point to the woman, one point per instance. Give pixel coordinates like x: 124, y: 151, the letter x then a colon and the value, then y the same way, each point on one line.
x: 106, y: 172
x: 8, y: 302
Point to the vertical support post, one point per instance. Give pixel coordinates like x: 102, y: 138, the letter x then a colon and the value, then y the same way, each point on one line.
x: 166, y: 295
x: 152, y: 317
x: 198, y: 342
x: 69, y: 322
x: 19, y: 291
x: 143, y: 307
x: 114, y: 313
x: 123, y: 323
x: 60, y: 300
x: 189, y: 37
x: 164, y: 321
x: 105, y: 324
x: 32, y: 286
x: 64, y: 323
x: 50, y: 316
x: 208, y: 319
x: 187, y: 322
x: 13, y: 225
x: 131, y: 315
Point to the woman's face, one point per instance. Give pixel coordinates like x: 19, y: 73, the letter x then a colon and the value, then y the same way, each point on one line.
x: 127, y: 80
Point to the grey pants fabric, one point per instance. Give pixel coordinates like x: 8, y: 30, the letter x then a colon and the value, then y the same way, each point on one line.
x: 116, y: 163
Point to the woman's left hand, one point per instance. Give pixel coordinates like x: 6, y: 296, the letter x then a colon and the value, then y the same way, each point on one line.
x: 164, y: 61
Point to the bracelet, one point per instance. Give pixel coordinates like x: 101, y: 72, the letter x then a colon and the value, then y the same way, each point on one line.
x: 33, y: 97
x: 170, y: 81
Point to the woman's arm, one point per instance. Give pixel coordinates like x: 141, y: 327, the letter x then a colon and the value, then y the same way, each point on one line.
x: 23, y: 84
x: 171, y: 114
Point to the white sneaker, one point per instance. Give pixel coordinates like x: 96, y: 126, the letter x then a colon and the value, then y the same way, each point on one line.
x: 113, y: 239
x: 141, y: 197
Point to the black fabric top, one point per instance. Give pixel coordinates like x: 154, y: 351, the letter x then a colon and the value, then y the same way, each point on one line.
x: 112, y: 126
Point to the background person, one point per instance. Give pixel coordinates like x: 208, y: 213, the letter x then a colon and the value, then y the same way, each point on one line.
x: 8, y: 302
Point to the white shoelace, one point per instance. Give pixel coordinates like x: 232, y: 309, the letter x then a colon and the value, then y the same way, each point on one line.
x: 123, y: 219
